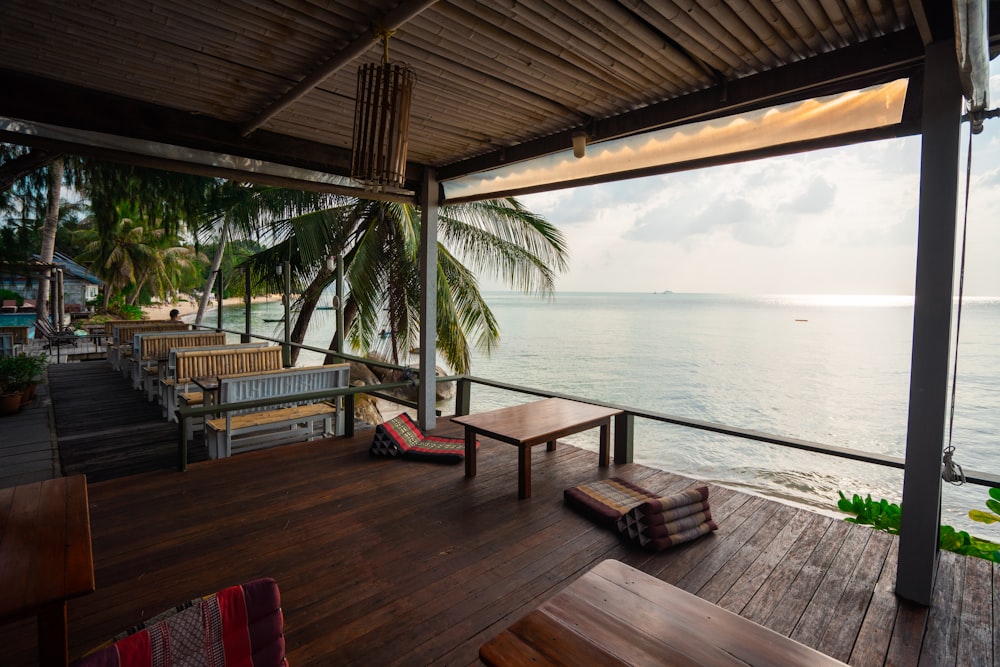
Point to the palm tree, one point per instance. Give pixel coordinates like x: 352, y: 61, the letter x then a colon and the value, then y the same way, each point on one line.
x: 380, y: 244
x: 133, y: 255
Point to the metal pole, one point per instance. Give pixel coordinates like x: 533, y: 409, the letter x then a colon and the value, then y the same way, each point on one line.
x: 245, y: 338
x: 339, y: 340
x: 219, y: 296
x: 429, y: 198
x: 933, y: 294
x: 286, y: 349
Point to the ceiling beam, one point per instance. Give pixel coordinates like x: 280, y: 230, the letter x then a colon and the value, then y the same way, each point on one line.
x: 869, y: 63
x: 46, y: 101
x: 159, y: 161
x: 391, y: 21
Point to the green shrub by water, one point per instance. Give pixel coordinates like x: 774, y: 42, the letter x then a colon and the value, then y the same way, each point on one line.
x: 885, y: 516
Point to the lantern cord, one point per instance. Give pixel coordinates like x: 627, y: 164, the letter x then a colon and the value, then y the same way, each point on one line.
x: 384, y: 34
x: 951, y: 472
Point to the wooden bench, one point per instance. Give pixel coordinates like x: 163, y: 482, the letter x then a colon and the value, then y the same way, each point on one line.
x: 150, y: 349
x: 615, y: 615
x: 120, y: 343
x: 244, y: 430
x: 210, y: 361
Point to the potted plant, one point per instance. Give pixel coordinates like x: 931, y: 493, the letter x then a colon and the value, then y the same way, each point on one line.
x: 20, y: 373
x: 10, y: 395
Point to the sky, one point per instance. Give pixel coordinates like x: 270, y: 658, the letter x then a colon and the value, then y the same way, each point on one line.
x: 836, y: 221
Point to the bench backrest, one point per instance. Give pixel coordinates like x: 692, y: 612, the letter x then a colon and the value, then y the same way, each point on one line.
x: 226, y: 361
x: 18, y: 334
x: 149, y: 346
x: 174, y: 351
x: 283, y: 382
x: 109, y: 327
x: 123, y: 332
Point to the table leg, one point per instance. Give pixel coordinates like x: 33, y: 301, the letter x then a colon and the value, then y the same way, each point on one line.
x: 53, y: 641
x: 470, y: 452
x: 551, y: 446
x: 523, y: 471
x: 605, y: 458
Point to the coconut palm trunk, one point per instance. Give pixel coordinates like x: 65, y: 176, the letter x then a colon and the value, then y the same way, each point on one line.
x: 213, y: 272
x: 307, y: 306
x: 56, y: 169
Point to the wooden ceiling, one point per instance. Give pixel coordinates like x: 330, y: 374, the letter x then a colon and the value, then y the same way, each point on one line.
x: 264, y: 89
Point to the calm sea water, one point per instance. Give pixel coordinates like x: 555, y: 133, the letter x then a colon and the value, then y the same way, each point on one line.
x: 829, y: 369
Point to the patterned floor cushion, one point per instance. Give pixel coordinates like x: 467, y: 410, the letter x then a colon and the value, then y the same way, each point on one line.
x: 401, y: 437
x: 442, y: 450
x: 605, y: 501
x: 396, y: 436
x: 666, y: 521
x: 240, y: 625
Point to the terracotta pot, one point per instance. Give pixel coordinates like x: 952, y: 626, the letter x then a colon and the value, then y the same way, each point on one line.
x: 10, y: 403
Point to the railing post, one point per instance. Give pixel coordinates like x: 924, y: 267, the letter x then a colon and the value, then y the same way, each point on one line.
x: 286, y: 347
x: 463, y: 397
x: 349, y: 416
x: 245, y: 337
x: 624, y: 430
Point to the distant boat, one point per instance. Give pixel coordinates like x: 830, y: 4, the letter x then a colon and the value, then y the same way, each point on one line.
x: 280, y: 319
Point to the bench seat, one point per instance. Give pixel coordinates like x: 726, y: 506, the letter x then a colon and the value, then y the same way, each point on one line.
x: 254, y: 430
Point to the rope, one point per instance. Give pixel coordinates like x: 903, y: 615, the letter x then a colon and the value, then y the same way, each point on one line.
x: 951, y: 472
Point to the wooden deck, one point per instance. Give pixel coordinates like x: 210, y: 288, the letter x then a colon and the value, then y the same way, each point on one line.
x: 385, y: 562
x: 105, y: 429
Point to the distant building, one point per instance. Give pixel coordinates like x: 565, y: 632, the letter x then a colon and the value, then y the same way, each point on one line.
x: 79, y: 284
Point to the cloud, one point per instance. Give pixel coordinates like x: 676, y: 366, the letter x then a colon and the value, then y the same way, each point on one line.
x: 818, y: 197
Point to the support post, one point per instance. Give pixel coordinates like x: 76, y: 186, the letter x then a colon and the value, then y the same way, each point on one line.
x: 245, y: 337
x: 339, y: 339
x: 463, y: 397
x: 624, y: 430
x: 429, y: 198
x: 218, y: 300
x: 933, y: 294
x: 286, y: 348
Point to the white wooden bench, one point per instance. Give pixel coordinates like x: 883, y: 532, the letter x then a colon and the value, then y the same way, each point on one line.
x: 150, y: 350
x: 183, y: 364
x: 245, y: 430
x: 120, y: 344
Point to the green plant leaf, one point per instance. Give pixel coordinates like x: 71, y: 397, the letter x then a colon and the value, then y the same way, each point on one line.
x: 983, y: 517
x: 993, y: 505
x: 995, y: 493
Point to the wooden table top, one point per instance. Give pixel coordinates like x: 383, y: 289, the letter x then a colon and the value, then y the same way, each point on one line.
x: 45, y: 547
x: 615, y: 615
x: 537, y: 422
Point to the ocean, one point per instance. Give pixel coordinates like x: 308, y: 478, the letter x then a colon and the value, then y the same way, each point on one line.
x: 830, y: 369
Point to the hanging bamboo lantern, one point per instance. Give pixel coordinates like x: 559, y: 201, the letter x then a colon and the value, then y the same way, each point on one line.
x: 381, y: 123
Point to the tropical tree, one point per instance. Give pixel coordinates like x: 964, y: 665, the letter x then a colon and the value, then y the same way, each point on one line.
x: 134, y: 256
x: 380, y: 245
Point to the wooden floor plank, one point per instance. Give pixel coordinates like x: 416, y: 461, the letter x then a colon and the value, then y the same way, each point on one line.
x: 871, y: 646
x: 975, y: 639
x: 940, y: 642
x: 838, y: 639
x: 751, y: 584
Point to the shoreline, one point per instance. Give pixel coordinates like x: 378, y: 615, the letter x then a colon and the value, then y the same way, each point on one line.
x: 189, y: 307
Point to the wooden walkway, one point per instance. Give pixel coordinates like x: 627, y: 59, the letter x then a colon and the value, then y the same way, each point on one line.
x: 386, y: 562
x: 105, y: 429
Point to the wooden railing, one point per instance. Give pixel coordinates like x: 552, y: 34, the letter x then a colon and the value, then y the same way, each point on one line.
x: 624, y: 451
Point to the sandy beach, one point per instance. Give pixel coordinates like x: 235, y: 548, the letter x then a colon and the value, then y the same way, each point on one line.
x: 189, y: 307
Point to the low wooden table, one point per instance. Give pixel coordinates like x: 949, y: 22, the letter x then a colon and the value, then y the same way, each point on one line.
x: 616, y: 615
x: 531, y: 424
x: 45, y: 557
